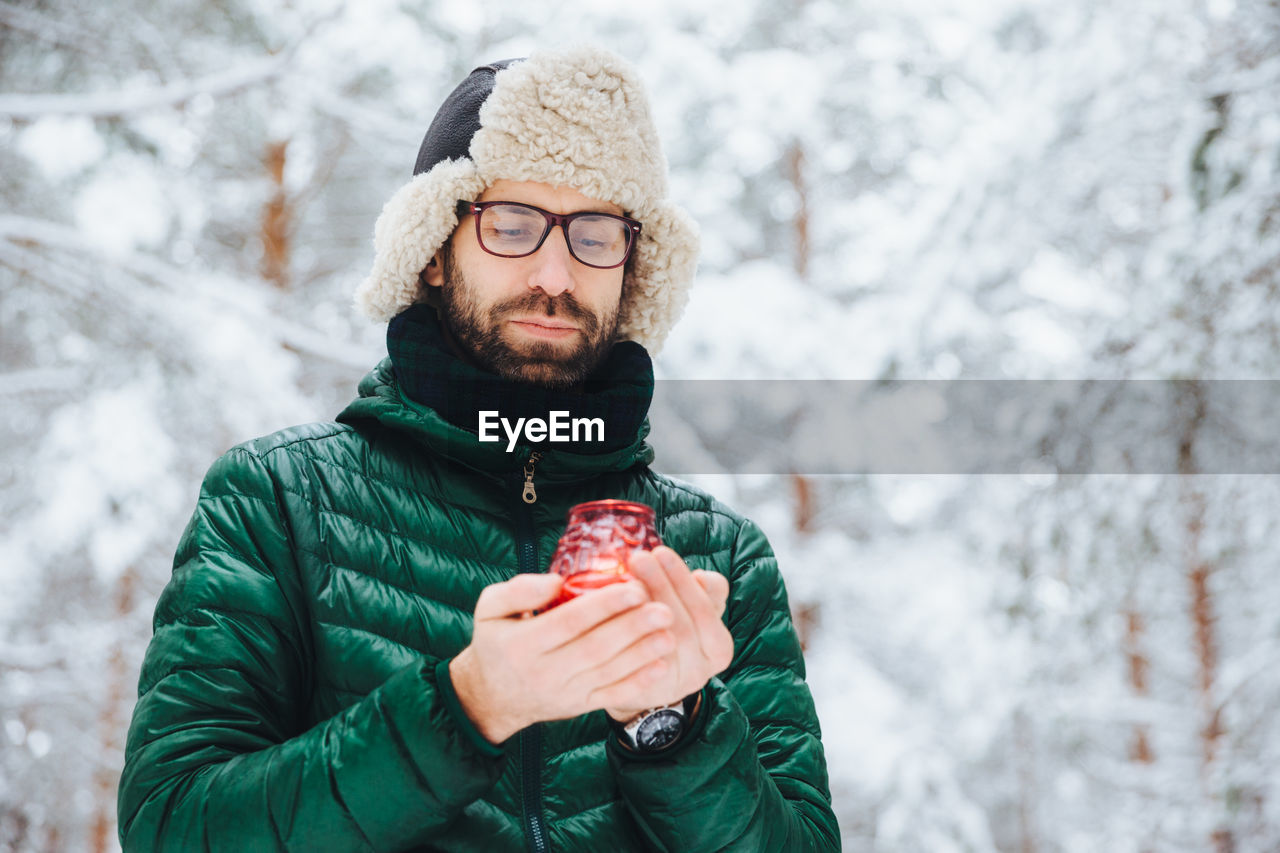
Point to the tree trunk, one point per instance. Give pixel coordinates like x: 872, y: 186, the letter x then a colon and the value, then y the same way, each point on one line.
x: 805, y: 503
x: 804, y: 615
x: 110, y: 721
x: 1024, y: 759
x: 795, y: 174
x: 276, y: 218
x: 1203, y: 619
x: 1140, y: 747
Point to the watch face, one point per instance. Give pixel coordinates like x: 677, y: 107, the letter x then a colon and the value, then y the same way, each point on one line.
x: 659, y: 730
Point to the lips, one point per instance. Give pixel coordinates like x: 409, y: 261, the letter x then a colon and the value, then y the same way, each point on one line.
x: 546, y: 327
x: 544, y: 322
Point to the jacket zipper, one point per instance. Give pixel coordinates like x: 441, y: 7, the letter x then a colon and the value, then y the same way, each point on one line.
x: 531, y: 787
x: 530, y: 494
x: 530, y: 738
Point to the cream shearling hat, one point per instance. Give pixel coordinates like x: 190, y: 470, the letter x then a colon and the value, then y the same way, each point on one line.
x: 577, y: 118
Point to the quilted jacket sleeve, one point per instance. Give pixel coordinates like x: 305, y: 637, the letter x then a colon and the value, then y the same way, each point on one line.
x: 216, y: 757
x: 751, y: 776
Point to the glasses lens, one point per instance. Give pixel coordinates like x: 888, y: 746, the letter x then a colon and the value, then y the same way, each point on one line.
x: 511, y: 229
x: 599, y: 240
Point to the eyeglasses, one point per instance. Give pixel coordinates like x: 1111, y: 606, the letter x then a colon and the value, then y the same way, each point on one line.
x: 511, y: 230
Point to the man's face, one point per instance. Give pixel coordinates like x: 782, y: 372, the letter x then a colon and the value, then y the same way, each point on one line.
x: 545, y: 318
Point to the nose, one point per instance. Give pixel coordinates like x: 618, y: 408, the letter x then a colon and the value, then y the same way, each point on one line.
x: 553, y: 265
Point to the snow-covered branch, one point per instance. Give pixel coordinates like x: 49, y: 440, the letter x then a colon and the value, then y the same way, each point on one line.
x: 179, y: 284
x: 47, y: 29
x: 120, y: 103
x: 1260, y: 78
x: 38, y: 379
x: 367, y: 119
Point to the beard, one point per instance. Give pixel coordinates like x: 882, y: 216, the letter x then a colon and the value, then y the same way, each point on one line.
x: 479, y: 331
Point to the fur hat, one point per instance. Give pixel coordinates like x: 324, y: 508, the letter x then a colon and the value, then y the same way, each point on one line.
x: 576, y: 118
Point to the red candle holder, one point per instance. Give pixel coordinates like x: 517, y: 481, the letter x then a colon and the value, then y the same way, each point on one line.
x: 598, y: 542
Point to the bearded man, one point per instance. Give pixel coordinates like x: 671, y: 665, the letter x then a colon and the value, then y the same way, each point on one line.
x: 345, y: 657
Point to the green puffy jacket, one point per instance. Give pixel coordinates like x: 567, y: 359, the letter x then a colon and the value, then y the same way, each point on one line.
x: 295, y: 695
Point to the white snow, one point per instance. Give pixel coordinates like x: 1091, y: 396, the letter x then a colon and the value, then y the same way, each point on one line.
x: 61, y: 146
x: 123, y: 209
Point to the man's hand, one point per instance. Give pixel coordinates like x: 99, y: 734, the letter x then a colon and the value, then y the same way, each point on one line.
x: 703, y: 645
x: 605, y: 649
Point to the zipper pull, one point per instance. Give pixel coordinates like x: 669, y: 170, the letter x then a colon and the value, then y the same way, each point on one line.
x: 530, y: 494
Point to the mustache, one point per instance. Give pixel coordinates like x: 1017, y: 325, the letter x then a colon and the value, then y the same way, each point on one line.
x: 562, y: 305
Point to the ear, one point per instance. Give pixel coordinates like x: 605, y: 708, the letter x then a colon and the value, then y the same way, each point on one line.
x: 433, y: 275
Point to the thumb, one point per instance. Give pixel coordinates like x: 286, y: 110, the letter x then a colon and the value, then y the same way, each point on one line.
x: 517, y: 596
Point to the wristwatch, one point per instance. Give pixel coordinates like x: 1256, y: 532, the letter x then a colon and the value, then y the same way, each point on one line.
x: 657, y: 728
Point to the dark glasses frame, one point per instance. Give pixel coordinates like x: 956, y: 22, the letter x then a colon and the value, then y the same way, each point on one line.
x: 552, y: 220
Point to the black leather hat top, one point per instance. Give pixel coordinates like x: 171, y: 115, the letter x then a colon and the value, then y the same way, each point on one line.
x: 449, y: 137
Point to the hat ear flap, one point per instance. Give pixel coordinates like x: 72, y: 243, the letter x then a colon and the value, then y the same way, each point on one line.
x: 413, y: 225
x: 660, y: 276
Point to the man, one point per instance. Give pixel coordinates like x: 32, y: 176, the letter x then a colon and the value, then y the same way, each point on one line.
x: 345, y: 658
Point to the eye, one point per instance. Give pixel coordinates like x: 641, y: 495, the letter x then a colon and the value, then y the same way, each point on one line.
x: 597, y: 233
x: 508, y: 233
x: 511, y: 224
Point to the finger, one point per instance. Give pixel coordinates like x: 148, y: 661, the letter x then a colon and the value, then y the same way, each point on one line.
x: 522, y: 593
x: 630, y: 691
x: 597, y: 645
x: 579, y: 615
x: 616, y: 667
x: 692, y: 596
x: 688, y: 644
x: 716, y: 587
x: 645, y: 566
x: 713, y: 638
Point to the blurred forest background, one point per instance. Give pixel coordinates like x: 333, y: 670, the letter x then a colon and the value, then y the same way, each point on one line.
x: 925, y: 189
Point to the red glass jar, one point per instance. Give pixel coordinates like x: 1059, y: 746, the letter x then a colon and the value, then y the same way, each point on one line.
x: 598, y: 542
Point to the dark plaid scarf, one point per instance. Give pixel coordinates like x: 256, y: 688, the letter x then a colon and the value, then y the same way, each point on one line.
x: 618, y: 391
